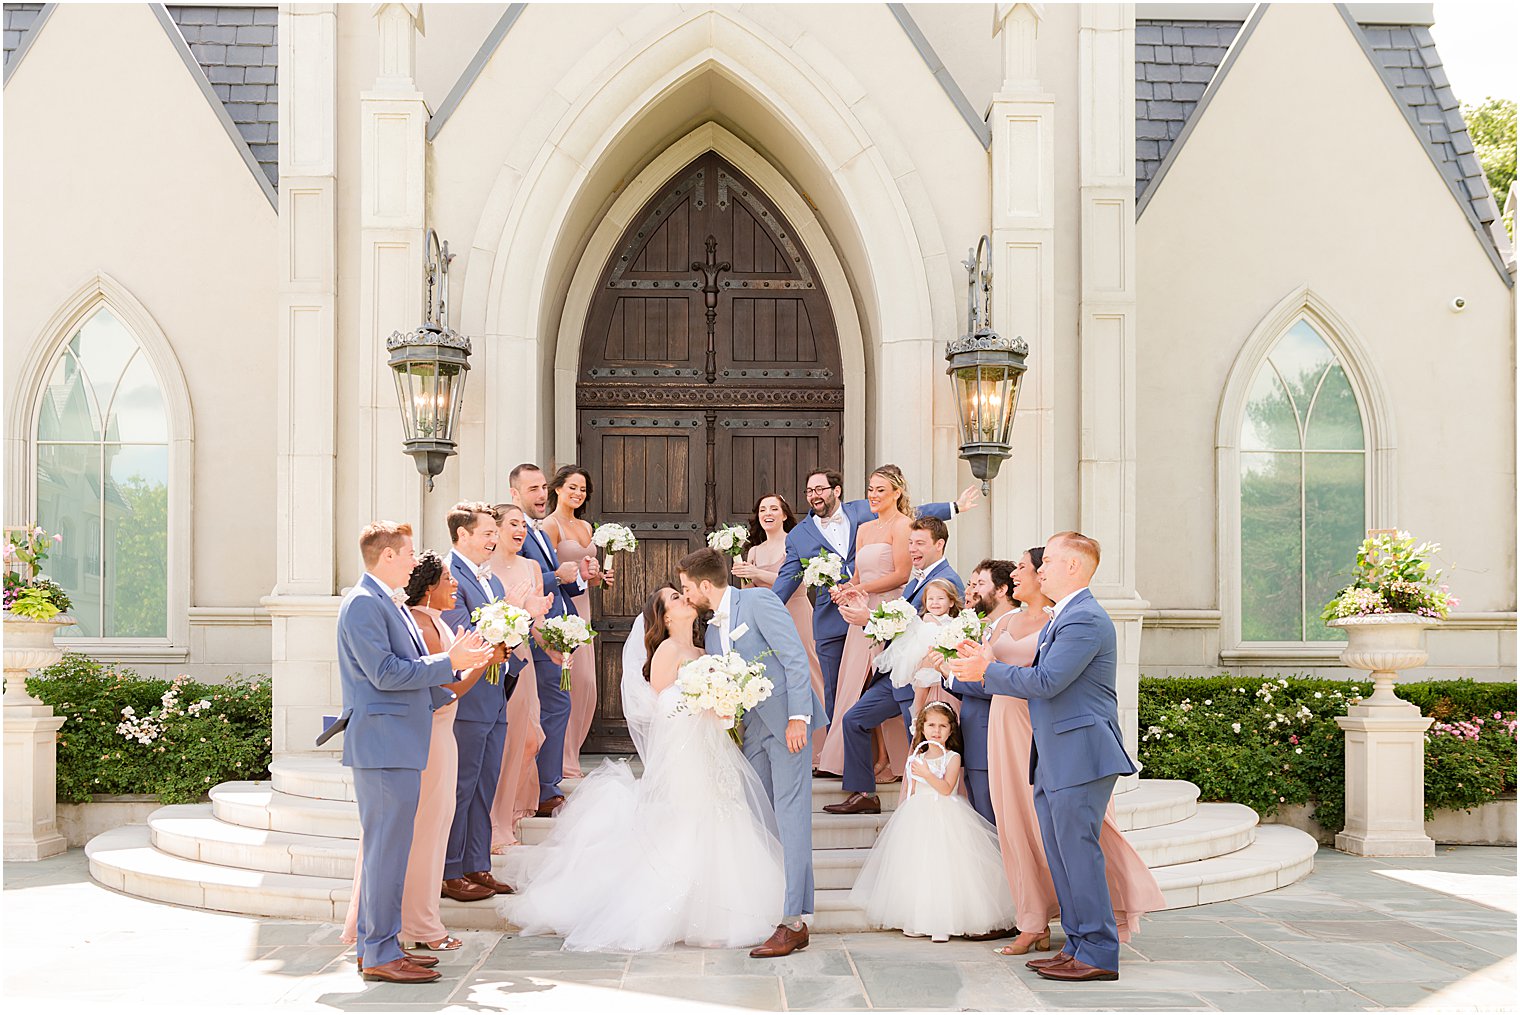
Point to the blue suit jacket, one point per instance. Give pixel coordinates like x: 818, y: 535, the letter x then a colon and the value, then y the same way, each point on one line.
x: 548, y: 562
x: 1073, y: 698
x: 914, y: 594
x: 387, y: 677
x: 806, y: 540
x: 764, y: 625
x: 484, y: 702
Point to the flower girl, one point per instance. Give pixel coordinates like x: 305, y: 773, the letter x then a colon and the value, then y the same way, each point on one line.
x: 935, y: 869
x: 908, y: 657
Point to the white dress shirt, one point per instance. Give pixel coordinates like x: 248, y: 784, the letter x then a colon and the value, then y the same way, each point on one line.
x: 923, y: 576
x: 836, y: 529
x: 1055, y: 611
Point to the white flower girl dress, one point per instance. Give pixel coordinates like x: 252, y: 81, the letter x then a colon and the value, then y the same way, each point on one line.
x: 935, y: 869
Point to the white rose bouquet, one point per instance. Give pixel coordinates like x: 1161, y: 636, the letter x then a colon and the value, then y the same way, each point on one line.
x: 822, y: 571
x: 724, y: 685
x: 610, y: 538
x: 890, y: 619
x: 564, y: 635
x: 729, y: 539
x: 500, y: 623
x: 966, y: 627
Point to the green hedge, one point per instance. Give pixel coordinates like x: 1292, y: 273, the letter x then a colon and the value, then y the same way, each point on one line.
x: 1266, y: 742
x: 191, y: 747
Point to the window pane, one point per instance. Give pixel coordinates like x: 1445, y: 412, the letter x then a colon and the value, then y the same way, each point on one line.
x: 1334, y: 524
x: 67, y: 413
x: 1335, y: 422
x: 1270, y: 424
x: 68, y: 501
x: 1301, y: 356
x: 137, y: 411
x: 137, y: 542
x: 1271, y: 566
x: 104, y: 346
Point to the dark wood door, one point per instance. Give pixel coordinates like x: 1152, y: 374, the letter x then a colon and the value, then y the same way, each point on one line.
x: 709, y: 375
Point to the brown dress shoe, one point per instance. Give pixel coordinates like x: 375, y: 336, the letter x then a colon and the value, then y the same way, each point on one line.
x: 461, y: 890
x: 857, y: 803
x: 400, y: 971
x: 485, y: 880
x: 425, y: 961
x: 1076, y: 971
x: 1058, y: 959
x: 783, y: 942
x: 546, y: 808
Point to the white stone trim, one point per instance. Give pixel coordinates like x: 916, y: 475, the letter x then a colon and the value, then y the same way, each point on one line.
x: 229, y: 616
x: 1379, y: 440
x: 836, y: 286
x: 99, y: 290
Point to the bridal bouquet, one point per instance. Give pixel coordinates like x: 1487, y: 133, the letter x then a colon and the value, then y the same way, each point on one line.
x: 729, y: 539
x: 823, y: 570
x: 965, y: 627
x: 890, y: 619
x: 724, y: 685
x: 564, y: 635
x: 500, y: 623
x: 610, y: 538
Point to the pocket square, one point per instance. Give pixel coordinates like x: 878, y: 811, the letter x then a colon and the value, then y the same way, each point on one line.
x: 333, y: 728
x: 738, y: 632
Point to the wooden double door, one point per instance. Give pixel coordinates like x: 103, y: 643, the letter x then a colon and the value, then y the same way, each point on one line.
x: 709, y: 375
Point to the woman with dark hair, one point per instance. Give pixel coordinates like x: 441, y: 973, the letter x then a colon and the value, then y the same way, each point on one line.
x: 772, y: 520
x: 567, y: 529
x: 429, y: 592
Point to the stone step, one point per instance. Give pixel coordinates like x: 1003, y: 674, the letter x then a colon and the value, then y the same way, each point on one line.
x: 125, y: 859
x: 1155, y: 802
x: 193, y: 832
x: 1213, y: 830
x: 1278, y: 857
x: 830, y: 831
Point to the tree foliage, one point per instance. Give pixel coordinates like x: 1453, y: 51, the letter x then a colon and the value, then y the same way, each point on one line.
x: 1491, y: 124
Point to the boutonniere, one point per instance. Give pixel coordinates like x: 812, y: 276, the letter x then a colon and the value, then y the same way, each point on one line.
x: 738, y: 632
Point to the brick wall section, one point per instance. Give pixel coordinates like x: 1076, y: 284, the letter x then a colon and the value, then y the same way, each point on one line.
x: 236, y: 47
x: 1174, y: 63
x: 1407, y: 58
x: 19, y: 19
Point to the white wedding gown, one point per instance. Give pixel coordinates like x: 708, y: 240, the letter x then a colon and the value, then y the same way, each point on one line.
x: 687, y: 853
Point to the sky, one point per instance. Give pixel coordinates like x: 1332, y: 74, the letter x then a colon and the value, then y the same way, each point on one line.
x: 1479, y: 43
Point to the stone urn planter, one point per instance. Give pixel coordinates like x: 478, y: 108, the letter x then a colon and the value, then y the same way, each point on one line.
x: 31, y: 742
x: 1385, y: 740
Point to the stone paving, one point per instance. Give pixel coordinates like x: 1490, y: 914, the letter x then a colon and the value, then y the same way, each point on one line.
x: 1358, y: 934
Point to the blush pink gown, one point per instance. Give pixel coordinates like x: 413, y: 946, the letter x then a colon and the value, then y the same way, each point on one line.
x: 582, y: 671
x: 801, y: 610
x: 420, y: 919
x: 872, y: 561
x: 517, y: 786
x: 1131, y: 886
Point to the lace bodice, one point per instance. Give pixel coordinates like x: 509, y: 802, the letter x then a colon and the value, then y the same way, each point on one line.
x: 936, y: 765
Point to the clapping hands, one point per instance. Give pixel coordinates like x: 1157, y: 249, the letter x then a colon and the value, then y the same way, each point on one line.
x: 468, y: 650
x: 970, y: 662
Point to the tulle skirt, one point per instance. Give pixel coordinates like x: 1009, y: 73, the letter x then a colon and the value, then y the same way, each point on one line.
x: 935, y: 870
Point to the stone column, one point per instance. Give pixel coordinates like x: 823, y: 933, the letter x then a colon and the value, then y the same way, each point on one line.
x: 31, y: 745
x: 1106, y: 468
x: 303, y: 607
x: 1022, y: 502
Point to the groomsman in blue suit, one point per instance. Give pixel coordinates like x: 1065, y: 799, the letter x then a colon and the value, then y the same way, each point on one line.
x: 831, y: 526
x: 927, y: 537
x: 530, y: 491
x: 387, y: 678
x: 480, y: 724
x: 1078, y: 753
x: 991, y: 580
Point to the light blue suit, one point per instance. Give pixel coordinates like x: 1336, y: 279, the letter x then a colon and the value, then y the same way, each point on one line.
x: 881, y: 701
x: 807, y: 540
x: 1077, y: 756
x: 553, y: 704
x: 387, y: 679
x: 764, y: 625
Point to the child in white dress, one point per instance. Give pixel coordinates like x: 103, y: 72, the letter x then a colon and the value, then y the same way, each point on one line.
x: 908, y: 658
x: 935, y: 829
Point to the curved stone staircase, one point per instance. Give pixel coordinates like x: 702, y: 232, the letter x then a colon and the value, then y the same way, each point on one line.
x: 286, y: 848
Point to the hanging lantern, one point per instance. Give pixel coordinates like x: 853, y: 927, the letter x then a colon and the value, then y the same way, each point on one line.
x: 985, y: 372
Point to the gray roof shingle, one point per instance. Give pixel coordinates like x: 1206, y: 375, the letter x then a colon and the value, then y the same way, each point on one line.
x: 1174, y: 62
x: 19, y: 19
x: 238, y: 50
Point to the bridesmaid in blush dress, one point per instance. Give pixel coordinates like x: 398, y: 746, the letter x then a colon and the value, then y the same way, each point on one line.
x: 517, y: 789
x: 882, y: 568
x: 772, y: 520
x: 1131, y: 886
x: 429, y: 591
x: 571, y: 536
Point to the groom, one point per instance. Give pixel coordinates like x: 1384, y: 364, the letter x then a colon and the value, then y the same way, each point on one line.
x: 755, y: 624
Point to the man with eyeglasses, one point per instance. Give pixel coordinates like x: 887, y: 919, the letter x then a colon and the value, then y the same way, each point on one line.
x: 830, y: 525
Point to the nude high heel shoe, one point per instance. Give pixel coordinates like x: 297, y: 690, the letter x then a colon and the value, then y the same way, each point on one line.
x: 1033, y: 940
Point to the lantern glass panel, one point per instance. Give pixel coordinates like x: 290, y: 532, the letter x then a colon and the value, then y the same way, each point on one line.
x: 454, y: 376
x: 408, y: 402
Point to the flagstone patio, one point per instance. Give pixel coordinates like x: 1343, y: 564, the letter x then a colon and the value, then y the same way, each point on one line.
x: 1357, y: 934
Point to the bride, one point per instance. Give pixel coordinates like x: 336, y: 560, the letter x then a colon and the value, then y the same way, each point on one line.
x: 687, y: 853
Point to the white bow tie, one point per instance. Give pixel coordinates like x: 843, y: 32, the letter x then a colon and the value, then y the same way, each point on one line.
x: 399, y: 597
x: 1050, y: 611
x: 918, y: 573
x: 717, y: 619
x: 483, y: 572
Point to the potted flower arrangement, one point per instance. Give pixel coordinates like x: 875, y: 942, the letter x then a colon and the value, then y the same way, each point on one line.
x: 1392, y: 599
x: 35, y: 608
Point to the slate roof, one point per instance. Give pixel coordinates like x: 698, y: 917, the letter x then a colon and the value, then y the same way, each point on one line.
x: 237, y: 48
x: 19, y: 19
x: 1174, y: 62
